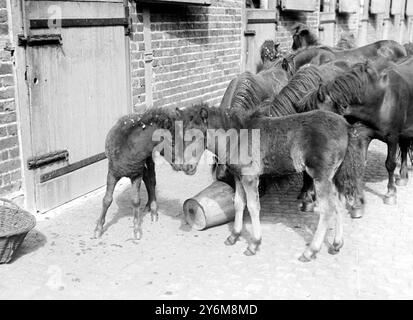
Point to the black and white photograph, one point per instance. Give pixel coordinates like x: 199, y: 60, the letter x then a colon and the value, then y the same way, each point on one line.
x: 229, y: 151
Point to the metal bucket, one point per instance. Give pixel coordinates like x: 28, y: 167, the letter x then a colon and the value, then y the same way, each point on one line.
x: 211, y: 207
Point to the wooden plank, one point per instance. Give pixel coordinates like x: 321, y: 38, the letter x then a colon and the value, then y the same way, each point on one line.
x: 298, y: 5
x: 147, y: 38
x: 71, y: 167
x: 79, y: 23
x: 73, y: 10
x: 327, y: 16
x: 397, y: 6
x: 61, y: 1
x: 348, y: 6
x: 377, y: 6
x: 22, y: 103
x: 255, y: 16
x: 192, y: 2
x: 409, y: 8
x: 263, y: 31
x: 91, y: 64
x: 56, y: 192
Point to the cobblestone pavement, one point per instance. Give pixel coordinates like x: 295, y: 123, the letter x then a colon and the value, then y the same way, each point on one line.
x: 60, y: 260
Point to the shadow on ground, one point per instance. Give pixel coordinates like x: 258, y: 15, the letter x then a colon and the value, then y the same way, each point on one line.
x: 33, y: 241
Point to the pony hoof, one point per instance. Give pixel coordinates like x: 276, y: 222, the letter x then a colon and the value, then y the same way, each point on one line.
x: 250, y: 252
x: 307, y: 206
x: 357, y: 213
x: 390, y: 200
x: 333, y: 251
x: 307, y: 255
x: 137, y: 234
x: 401, y: 182
x: 335, y: 248
x: 231, y: 240
x: 303, y: 258
x: 98, y: 233
x: 154, y: 217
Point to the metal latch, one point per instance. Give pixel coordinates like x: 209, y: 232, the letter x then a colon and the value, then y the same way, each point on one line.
x: 47, y: 158
x: 40, y: 40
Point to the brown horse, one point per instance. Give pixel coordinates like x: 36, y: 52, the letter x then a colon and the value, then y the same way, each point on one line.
x: 269, y: 54
x: 128, y: 147
x: 320, y: 143
x: 383, y: 101
x: 303, y: 37
x: 388, y: 49
x: 306, y: 79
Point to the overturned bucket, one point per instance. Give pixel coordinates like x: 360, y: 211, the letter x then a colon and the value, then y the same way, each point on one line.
x: 211, y: 207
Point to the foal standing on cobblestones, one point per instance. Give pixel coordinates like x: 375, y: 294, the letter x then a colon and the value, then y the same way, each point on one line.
x: 383, y: 101
x: 129, y: 145
x: 320, y: 143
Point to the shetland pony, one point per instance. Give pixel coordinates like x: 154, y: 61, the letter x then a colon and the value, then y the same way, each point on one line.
x: 129, y: 147
x: 388, y: 49
x: 320, y: 143
x: 306, y: 79
x: 383, y: 101
x: 303, y: 37
x: 268, y: 53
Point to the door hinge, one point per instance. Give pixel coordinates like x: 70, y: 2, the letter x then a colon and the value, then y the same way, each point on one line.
x: 39, y: 40
x: 47, y: 158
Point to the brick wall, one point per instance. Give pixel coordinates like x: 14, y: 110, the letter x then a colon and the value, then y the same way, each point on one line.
x: 10, y: 173
x: 196, y: 50
x: 346, y: 24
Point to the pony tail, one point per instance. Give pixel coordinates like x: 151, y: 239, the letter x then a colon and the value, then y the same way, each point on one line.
x: 349, y: 177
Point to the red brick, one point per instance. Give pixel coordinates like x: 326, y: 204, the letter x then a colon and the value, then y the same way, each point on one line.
x: 6, y: 68
x: 7, y: 117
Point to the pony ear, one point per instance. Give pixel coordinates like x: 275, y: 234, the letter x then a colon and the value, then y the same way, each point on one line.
x: 180, y: 111
x: 366, y: 65
x: 204, y: 114
x: 285, y: 65
x: 276, y: 45
x: 304, y: 32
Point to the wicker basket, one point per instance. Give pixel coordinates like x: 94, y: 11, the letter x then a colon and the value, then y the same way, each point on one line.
x: 15, y: 223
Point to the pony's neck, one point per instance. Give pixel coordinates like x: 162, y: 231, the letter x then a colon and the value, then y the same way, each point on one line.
x: 225, y: 119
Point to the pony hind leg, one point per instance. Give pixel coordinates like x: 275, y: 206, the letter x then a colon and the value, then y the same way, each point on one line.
x: 239, y: 204
x: 250, y: 184
x: 325, y: 206
x: 404, y: 145
x: 390, y: 197
x: 111, y: 181
x: 339, y: 210
x: 136, y: 201
x: 149, y: 178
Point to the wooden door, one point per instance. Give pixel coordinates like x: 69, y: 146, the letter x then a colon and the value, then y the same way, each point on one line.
x: 327, y: 22
x: 77, y: 90
x: 363, y: 24
x: 260, y: 26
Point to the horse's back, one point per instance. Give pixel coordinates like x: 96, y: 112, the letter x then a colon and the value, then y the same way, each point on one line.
x: 302, y: 140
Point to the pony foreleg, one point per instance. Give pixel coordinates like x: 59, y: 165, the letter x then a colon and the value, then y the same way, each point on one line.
x: 325, y: 208
x: 149, y: 178
x: 250, y: 184
x: 404, y: 176
x: 239, y: 204
x: 390, y: 197
x: 136, y: 202
x: 107, y: 201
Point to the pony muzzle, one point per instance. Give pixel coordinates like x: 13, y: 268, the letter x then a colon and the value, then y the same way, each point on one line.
x: 189, y: 169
